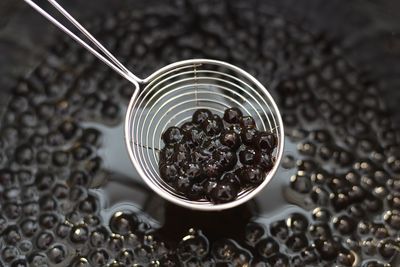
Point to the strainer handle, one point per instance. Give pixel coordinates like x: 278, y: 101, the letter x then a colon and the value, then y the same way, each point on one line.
x: 106, y: 57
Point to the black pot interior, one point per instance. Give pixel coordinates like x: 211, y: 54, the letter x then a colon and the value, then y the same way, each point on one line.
x: 333, y: 70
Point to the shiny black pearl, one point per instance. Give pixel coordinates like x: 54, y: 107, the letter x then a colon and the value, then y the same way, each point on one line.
x: 253, y: 233
x: 226, y: 157
x: 267, y: 247
x: 169, y: 172
x: 251, y: 175
x: 196, y: 192
x: 187, y: 126
x: 249, y: 136
x: 328, y: 249
x: 212, y: 169
x: 266, y: 141
x: 230, y: 139
x: 224, y: 192
x: 247, y: 122
x: 201, y: 115
x: 172, y: 135
x: 123, y: 223
x: 233, y: 115
x: 297, y: 242
x: 249, y: 156
x: 212, y: 126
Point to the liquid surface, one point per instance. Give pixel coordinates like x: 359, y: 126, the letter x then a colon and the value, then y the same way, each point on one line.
x: 70, y: 197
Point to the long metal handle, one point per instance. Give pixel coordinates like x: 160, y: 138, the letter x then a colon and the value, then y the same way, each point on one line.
x: 107, y: 58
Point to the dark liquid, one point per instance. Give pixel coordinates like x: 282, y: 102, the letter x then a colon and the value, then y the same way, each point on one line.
x: 70, y: 196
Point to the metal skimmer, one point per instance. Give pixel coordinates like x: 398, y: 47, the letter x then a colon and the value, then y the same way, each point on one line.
x: 170, y: 96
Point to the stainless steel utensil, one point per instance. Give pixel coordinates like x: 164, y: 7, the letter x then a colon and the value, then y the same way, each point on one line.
x: 169, y: 97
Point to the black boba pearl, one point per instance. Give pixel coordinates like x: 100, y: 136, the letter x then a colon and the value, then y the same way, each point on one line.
x: 12, y: 210
x: 346, y: 258
x: 60, y: 158
x: 110, y: 110
x: 250, y: 175
x: 298, y: 223
x: 253, y: 233
x: 392, y: 218
x: 230, y: 139
x: 99, y: 257
x: 340, y: 201
x: 44, y: 240
x: 297, y: 242
x: 296, y: 261
x: 266, y: 141
x: 63, y: 230
x: 236, y: 128
x: 267, y: 247
x: 169, y: 172
x: 247, y: 122
x: 226, y: 157
x: 81, y: 152
x: 37, y: 140
x: 233, y: 115
x: 44, y: 181
x: 19, y: 263
x: 55, y: 139
x: 279, y: 260
x: 9, y: 253
x: 11, y: 235
x: 212, y: 169
x: 224, y: 192
x: 201, y: 115
x: 24, y: 154
x: 123, y: 223
x: 208, y: 186
x: 166, y: 154
x: 195, y: 136
x: 78, y: 178
x: 279, y: 229
x: 182, y: 184
x: 211, y: 145
x: 193, y: 172
x: 187, y: 126
x: 249, y: 156
x: 309, y: 255
x: 48, y: 221
x: 328, y: 249
x: 181, y: 157
x: 212, y: 126
x: 249, y: 136
x: 29, y: 227
x: 344, y: 224
x: 68, y: 129
x: 43, y: 157
x: 172, y: 135
x: 57, y: 254
x: 200, y: 155
x: 196, y: 192
x: 231, y: 178
x: 320, y: 230
x: 388, y: 248
x: 90, y: 136
x: 79, y: 234
x: 266, y: 162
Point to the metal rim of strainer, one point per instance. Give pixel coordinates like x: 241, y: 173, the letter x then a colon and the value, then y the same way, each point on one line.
x: 133, y: 147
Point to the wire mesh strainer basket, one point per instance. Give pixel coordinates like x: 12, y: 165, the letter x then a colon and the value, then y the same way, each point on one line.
x: 169, y: 98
